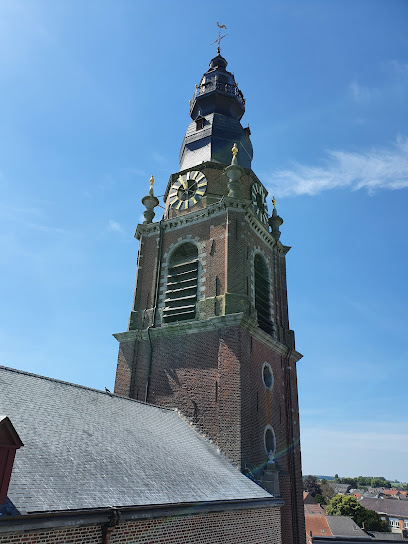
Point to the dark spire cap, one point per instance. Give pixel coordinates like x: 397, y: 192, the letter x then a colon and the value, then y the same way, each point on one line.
x: 218, y: 62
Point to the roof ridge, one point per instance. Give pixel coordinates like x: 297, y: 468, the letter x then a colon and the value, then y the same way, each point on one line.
x: 18, y: 371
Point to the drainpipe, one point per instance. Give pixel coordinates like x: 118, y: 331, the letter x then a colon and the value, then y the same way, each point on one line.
x: 109, y: 527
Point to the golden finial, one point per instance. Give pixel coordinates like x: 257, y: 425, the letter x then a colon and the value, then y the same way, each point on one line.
x: 273, y: 201
x: 151, y: 181
x: 234, y: 150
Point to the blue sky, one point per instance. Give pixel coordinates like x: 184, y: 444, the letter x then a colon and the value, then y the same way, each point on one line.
x: 95, y: 99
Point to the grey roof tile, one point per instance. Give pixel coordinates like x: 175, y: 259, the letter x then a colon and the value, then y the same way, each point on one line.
x: 85, y: 448
x: 391, y: 507
x: 344, y: 526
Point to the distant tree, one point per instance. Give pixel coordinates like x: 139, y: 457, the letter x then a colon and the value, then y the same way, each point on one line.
x: 364, y: 480
x: 323, y: 481
x: 351, y: 481
x: 345, y: 505
x: 319, y: 498
x: 373, y: 522
x: 327, y: 491
x: 311, y: 485
x: 336, y: 479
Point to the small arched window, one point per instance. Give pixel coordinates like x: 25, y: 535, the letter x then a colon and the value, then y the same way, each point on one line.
x: 262, y: 294
x: 182, y: 281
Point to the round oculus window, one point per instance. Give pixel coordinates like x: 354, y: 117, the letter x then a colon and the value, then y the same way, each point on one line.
x: 267, y: 375
x: 269, y: 440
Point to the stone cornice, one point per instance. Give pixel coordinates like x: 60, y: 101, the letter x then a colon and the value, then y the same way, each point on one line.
x: 213, y: 323
x: 213, y: 210
x: 219, y: 207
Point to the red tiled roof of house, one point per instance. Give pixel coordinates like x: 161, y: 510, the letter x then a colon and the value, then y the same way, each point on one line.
x: 316, y: 522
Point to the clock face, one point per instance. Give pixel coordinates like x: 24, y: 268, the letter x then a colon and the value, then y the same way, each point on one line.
x: 187, y: 190
x: 259, y: 202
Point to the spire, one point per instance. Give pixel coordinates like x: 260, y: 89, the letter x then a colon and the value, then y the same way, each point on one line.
x: 216, y: 110
x: 275, y: 221
x: 150, y: 202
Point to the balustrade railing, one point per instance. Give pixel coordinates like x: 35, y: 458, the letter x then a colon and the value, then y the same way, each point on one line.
x: 213, y: 85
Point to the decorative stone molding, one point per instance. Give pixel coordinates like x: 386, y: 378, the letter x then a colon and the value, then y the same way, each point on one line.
x: 191, y: 327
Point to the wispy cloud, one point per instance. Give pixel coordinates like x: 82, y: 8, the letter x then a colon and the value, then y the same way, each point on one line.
x: 371, y: 170
x: 397, y: 67
x: 114, y: 226
x: 361, y: 93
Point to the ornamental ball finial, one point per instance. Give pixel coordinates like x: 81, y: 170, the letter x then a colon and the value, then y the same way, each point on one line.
x: 234, y: 150
x: 274, y: 201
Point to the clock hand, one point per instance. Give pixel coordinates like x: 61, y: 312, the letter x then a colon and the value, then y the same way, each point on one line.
x: 183, y: 183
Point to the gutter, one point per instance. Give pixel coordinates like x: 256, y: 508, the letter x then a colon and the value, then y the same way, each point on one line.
x: 110, y: 516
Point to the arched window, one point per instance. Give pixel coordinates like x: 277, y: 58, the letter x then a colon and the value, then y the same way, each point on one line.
x: 262, y: 294
x: 182, y: 281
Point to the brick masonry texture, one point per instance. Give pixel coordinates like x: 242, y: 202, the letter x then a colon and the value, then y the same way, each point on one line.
x: 255, y: 526
x: 214, y: 377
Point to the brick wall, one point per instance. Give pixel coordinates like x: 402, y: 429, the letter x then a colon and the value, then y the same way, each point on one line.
x: 215, y: 376
x: 255, y: 526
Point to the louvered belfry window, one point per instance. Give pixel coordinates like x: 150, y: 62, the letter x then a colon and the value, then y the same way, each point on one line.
x: 182, y: 280
x: 262, y: 294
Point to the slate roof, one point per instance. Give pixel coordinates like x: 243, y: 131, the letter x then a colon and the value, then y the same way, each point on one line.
x: 307, y: 498
x: 339, y: 488
x: 385, y: 536
x: 85, y: 448
x: 345, y: 526
x: 391, y: 507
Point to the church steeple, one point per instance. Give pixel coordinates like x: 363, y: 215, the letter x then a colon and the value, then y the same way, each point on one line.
x: 209, y: 326
x: 216, y: 110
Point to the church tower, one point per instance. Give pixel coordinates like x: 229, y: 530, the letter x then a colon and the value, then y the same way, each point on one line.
x: 209, y: 331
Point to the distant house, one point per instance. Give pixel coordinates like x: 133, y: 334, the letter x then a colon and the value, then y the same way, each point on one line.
x: 307, y: 498
x: 395, y: 493
x: 316, y: 523
x: 344, y: 527
x: 325, y: 529
x: 340, y: 489
x: 395, y: 513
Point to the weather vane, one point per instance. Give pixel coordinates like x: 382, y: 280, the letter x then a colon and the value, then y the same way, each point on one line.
x: 218, y: 40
